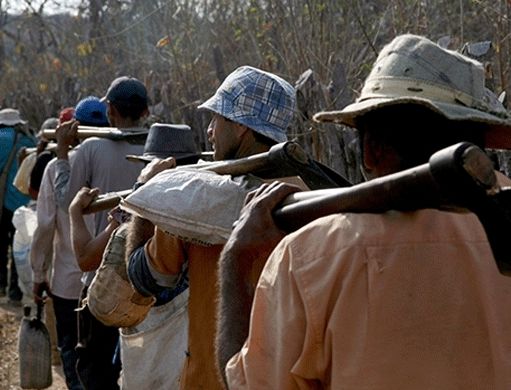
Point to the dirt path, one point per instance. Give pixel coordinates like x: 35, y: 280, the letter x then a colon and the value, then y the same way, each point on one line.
x: 10, y: 317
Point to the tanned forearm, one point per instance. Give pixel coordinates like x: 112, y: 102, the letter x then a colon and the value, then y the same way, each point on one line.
x: 139, y: 231
x: 235, y: 304
x: 253, y: 238
x: 88, y: 250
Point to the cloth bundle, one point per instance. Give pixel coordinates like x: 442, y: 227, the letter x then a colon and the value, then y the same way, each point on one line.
x: 196, y: 205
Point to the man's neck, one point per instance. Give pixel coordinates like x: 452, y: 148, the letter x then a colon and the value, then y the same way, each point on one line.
x: 126, y: 123
x: 249, y: 146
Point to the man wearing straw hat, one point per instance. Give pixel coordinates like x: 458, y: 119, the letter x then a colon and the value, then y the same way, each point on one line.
x: 389, y: 301
x: 251, y: 112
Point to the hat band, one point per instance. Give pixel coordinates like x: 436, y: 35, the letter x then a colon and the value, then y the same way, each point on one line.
x: 400, y: 88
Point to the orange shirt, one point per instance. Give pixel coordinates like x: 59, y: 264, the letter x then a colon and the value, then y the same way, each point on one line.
x: 168, y: 254
x: 380, y: 301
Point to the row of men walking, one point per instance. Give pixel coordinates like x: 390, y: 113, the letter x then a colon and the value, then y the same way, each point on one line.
x: 352, y: 300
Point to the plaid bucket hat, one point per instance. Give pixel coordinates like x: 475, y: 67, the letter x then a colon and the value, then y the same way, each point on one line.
x: 413, y: 69
x: 259, y: 100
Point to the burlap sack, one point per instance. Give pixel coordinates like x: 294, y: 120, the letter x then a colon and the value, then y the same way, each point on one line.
x: 111, y: 297
x: 196, y: 205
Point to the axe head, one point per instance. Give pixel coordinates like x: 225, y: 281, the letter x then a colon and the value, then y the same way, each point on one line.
x: 290, y: 159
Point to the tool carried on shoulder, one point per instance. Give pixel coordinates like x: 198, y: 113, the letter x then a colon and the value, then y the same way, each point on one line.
x: 113, y: 133
x: 458, y: 178
x: 282, y: 160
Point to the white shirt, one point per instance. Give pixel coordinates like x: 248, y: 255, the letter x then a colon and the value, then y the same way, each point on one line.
x: 52, y: 242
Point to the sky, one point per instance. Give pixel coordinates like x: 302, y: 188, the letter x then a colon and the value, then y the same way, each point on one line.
x: 51, y: 6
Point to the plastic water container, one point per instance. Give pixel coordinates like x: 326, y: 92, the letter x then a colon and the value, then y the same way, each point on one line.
x: 34, y: 351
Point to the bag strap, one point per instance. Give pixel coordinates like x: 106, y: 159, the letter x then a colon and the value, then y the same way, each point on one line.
x: 5, y: 171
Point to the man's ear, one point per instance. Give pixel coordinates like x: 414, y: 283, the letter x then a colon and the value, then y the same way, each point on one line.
x: 379, y: 158
x: 111, y: 110
x: 371, y: 152
x: 241, y: 129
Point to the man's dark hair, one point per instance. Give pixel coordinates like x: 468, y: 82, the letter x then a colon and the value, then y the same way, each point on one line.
x: 36, y: 175
x: 132, y: 109
x: 260, y: 138
x: 415, y: 132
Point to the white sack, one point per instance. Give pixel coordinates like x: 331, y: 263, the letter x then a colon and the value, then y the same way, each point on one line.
x: 198, y: 206
x: 154, y: 351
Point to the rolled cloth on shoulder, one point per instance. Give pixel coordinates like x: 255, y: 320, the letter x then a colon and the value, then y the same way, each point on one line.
x: 196, y: 205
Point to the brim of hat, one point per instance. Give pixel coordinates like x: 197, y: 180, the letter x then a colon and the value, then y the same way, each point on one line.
x: 350, y: 113
x: 13, y: 123
x: 208, y: 104
x: 217, y: 105
x: 177, y: 156
x: 85, y: 122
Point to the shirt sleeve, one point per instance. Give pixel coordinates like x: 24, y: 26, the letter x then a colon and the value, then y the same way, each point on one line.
x: 63, y: 170
x: 277, y: 335
x: 166, y: 253
x: 42, y: 245
x: 69, y: 178
x: 144, y: 278
x: 164, y: 249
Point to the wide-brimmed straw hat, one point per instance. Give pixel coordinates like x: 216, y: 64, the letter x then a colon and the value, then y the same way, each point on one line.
x: 414, y: 70
x: 169, y: 140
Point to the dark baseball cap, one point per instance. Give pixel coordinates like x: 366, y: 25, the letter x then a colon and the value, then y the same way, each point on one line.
x: 127, y: 90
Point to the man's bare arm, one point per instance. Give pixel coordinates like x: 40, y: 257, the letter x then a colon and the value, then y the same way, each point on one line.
x: 88, y: 249
x: 139, y: 231
x: 254, y: 237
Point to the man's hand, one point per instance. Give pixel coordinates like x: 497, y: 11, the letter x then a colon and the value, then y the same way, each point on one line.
x: 22, y: 154
x: 154, y: 167
x: 82, y: 199
x: 255, y: 234
x: 41, y: 145
x: 66, y: 137
x: 38, y: 289
x: 253, y: 238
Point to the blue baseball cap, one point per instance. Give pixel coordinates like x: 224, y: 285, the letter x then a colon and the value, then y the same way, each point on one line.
x: 126, y: 90
x: 257, y: 99
x: 91, y: 111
